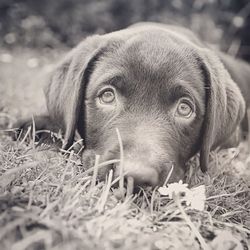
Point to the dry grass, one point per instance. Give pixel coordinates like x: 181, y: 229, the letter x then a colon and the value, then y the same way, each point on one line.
x: 49, y: 201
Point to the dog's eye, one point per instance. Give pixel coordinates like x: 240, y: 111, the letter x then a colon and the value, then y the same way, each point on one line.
x: 184, y: 109
x: 107, y: 96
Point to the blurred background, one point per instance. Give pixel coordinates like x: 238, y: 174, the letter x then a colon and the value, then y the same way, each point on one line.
x: 63, y: 23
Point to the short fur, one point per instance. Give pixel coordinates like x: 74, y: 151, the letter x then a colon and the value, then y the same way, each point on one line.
x: 151, y: 66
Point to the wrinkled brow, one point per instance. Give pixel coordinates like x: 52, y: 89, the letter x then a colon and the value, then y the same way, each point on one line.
x: 117, y: 81
x: 177, y: 91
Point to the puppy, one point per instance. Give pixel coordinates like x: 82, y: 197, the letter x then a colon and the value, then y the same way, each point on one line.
x: 169, y: 95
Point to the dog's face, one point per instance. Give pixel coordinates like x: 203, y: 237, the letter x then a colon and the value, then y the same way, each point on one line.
x: 156, y: 100
x: 167, y: 97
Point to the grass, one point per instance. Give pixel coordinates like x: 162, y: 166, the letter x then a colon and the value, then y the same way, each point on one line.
x: 49, y: 200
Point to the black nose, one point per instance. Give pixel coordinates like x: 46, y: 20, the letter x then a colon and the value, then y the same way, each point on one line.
x: 137, y: 164
x: 141, y: 174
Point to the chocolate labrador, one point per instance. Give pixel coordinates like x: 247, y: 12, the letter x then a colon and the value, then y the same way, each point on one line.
x: 169, y: 95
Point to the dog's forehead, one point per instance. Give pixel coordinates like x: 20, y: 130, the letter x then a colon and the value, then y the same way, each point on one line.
x: 156, y: 61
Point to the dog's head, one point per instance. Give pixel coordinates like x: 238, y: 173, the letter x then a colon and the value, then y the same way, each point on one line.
x: 168, y: 97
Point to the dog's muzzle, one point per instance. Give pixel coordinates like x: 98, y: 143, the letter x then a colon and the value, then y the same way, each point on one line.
x: 141, y: 174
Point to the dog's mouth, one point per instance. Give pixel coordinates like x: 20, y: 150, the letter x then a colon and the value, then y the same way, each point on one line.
x: 132, y: 182
x: 128, y: 189
x: 123, y: 182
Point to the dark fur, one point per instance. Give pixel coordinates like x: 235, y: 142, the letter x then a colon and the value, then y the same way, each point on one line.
x: 151, y: 66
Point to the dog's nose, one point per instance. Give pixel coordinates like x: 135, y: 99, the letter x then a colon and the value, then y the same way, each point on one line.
x: 142, y: 175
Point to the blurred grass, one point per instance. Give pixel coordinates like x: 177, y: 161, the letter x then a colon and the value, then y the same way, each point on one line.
x: 23, y: 73
x: 50, y: 24
x: 47, y: 200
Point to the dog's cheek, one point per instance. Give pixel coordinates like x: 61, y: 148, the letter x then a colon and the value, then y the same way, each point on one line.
x: 92, y: 126
x: 189, y: 139
x: 93, y: 135
x: 96, y: 133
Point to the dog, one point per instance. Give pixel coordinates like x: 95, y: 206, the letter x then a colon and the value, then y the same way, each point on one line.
x: 167, y: 93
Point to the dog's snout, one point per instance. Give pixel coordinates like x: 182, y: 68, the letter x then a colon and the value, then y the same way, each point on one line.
x: 142, y: 175
x: 145, y: 177
x: 140, y: 162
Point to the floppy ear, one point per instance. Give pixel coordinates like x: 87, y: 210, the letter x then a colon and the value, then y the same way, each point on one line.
x: 65, y: 90
x: 225, y: 106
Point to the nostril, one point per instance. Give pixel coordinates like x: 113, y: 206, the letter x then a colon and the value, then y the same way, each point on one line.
x: 144, y: 177
x: 112, y: 166
x: 146, y: 184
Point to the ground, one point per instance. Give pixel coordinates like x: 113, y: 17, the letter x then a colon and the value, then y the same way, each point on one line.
x: 48, y: 200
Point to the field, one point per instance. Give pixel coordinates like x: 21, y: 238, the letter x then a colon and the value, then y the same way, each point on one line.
x: 49, y: 200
